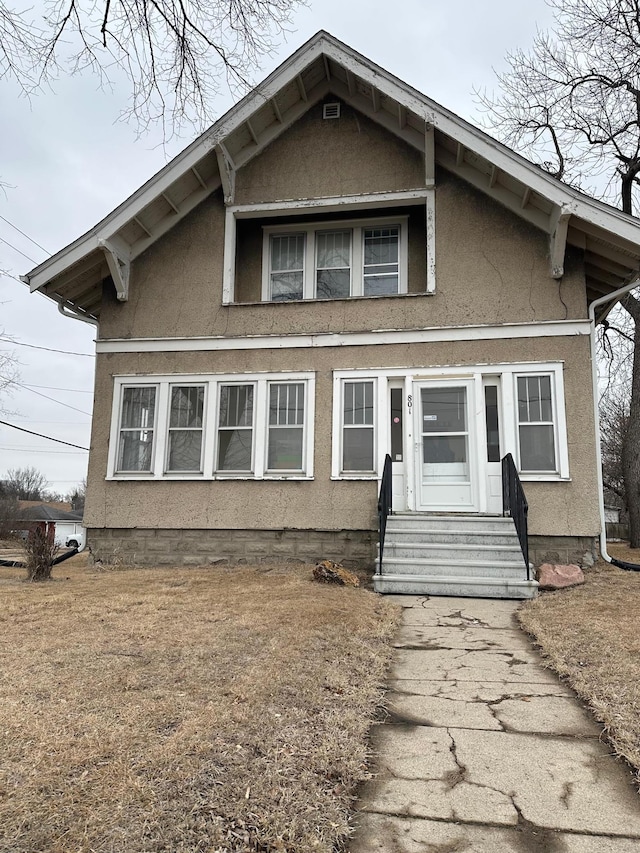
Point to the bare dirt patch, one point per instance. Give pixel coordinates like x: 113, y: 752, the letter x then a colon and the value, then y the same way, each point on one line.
x: 591, y: 635
x: 184, y: 709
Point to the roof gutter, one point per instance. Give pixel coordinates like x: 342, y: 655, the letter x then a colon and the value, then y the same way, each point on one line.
x: 611, y: 297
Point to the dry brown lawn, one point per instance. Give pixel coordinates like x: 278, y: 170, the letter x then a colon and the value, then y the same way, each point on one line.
x: 591, y: 635
x: 184, y: 709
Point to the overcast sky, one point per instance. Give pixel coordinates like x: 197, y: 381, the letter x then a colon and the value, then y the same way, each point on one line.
x: 66, y: 162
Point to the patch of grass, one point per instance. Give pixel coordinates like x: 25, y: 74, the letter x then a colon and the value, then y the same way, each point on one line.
x: 184, y: 709
x: 591, y: 635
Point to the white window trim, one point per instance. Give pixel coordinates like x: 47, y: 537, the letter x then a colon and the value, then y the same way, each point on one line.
x: 508, y: 374
x: 212, y: 382
x: 356, y: 226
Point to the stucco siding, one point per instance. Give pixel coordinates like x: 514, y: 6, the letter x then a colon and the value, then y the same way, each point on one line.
x: 556, y: 508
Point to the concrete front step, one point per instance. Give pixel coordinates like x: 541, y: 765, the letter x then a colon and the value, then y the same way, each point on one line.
x: 464, y: 535
x: 460, y: 585
x: 450, y: 551
x: 422, y: 522
x: 449, y: 568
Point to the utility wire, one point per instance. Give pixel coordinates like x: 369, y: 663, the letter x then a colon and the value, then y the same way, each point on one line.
x: 31, y: 450
x: 15, y: 249
x: 54, y: 388
x: 40, y: 435
x: 31, y: 240
x: 48, y: 349
x: 53, y: 399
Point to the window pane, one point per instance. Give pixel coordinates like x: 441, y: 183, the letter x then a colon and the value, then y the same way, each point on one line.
x: 380, y: 246
x: 333, y: 249
x: 285, y: 448
x: 492, y: 423
x: 396, y: 424
x: 135, y: 450
x: 333, y: 284
x: 358, y: 403
x: 537, y: 451
x: 287, y: 252
x: 286, y: 286
x: 234, y: 449
x: 534, y: 399
x: 357, y: 449
x: 444, y: 448
x: 236, y: 405
x: 286, y: 403
x: 184, y: 450
x: 138, y: 408
x: 380, y: 285
x: 187, y: 405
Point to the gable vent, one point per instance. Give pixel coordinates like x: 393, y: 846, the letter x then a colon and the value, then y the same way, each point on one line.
x: 331, y: 110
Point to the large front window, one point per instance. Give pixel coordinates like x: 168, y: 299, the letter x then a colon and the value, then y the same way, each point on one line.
x: 536, y: 424
x: 318, y: 261
x: 358, y: 445
x: 208, y: 427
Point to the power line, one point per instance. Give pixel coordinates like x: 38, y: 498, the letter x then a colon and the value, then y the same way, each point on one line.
x: 40, y: 435
x: 31, y: 240
x: 54, y: 388
x: 53, y: 399
x: 48, y: 349
x: 31, y: 450
x: 15, y: 249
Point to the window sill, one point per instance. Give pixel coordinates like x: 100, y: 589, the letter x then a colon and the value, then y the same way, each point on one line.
x: 544, y: 478
x: 194, y: 478
x: 364, y: 476
x: 344, y: 299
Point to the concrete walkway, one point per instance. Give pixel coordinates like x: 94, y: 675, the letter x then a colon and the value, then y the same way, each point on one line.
x: 485, y: 751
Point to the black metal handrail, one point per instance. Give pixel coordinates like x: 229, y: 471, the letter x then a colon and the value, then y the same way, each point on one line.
x: 385, y: 500
x: 514, y: 504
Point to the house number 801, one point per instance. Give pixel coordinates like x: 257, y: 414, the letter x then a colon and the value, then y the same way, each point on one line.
x: 409, y: 401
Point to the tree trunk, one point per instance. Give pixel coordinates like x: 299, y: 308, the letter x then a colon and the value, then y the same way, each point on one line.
x: 631, y: 443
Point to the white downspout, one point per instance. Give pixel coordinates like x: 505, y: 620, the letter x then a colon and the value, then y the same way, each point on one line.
x: 622, y: 291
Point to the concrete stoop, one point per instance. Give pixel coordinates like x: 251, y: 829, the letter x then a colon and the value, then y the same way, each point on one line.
x: 456, y: 555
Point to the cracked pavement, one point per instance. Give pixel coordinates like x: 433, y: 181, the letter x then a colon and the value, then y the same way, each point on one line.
x: 484, y: 749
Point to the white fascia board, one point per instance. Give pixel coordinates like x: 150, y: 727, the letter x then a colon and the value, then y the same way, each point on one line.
x: 476, y: 140
x: 554, y: 328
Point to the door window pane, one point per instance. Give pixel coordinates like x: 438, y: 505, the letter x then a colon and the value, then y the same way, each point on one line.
x: 235, y: 428
x: 444, y: 409
x: 135, y: 450
x: 286, y: 426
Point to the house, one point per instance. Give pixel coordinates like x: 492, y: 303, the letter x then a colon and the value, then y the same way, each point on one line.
x: 63, y: 526
x: 337, y: 270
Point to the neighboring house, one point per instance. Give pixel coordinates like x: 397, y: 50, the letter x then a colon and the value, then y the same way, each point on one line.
x: 338, y: 269
x: 63, y: 526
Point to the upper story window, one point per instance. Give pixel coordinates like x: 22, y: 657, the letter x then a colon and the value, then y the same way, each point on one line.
x: 335, y: 260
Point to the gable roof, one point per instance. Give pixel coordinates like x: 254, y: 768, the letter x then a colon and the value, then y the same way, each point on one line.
x: 46, y: 512
x: 322, y: 67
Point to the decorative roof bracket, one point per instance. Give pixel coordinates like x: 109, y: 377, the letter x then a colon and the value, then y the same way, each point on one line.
x: 558, y: 240
x: 227, y: 171
x: 119, y: 266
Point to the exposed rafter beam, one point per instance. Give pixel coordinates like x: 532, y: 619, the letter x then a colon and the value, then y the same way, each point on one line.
x: 301, y: 88
x: 493, y: 177
x: 91, y: 261
x: 227, y: 171
x: 429, y: 155
x: 526, y: 195
x: 559, y: 227
x: 171, y: 203
x: 199, y: 178
x: 139, y: 222
x: 351, y: 81
x: 252, y: 132
x: 276, y: 109
x: 375, y: 99
x: 327, y: 70
x: 119, y: 267
x: 459, y: 154
x: 402, y: 116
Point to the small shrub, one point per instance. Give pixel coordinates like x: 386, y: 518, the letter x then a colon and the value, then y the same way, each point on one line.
x: 40, y: 550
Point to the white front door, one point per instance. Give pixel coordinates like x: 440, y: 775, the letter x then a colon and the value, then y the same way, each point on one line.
x: 446, y: 454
